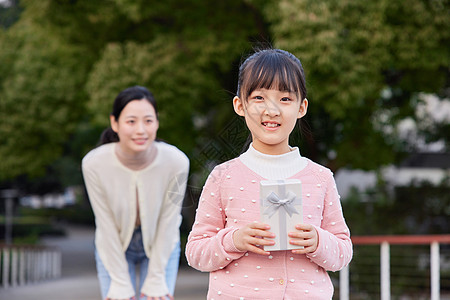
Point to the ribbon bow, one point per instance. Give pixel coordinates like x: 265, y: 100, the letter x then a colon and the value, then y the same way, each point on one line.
x: 276, y: 203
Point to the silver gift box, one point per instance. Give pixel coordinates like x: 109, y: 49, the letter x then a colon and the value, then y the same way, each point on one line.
x: 281, y: 208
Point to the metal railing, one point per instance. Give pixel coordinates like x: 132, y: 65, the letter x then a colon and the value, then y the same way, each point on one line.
x: 22, y: 265
x: 385, y: 241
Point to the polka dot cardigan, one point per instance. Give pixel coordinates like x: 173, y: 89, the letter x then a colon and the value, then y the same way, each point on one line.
x: 229, y: 200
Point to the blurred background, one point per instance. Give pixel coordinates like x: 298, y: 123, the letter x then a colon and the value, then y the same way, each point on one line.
x: 378, y: 77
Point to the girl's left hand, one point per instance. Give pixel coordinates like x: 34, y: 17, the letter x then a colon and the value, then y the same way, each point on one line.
x: 166, y: 297
x: 306, y: 237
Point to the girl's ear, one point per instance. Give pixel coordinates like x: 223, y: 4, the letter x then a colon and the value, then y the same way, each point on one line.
x: 303, y: 109
x: 238, y: 106
x: 113, y: 123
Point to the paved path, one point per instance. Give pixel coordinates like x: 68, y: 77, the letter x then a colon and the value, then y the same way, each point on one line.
x: 79, y: 281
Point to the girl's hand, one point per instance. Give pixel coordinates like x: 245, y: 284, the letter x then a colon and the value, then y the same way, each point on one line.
x: 248, y: 237
x: 166, y: 297
x: 132, y: 298
x: 307, y: 237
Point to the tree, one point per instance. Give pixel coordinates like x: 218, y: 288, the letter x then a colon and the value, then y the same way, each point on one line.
x: 66, y: 61
x: 41, y: 84
x: 352, y: 51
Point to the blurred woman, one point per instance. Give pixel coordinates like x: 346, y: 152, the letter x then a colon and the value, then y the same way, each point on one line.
x: 136, y: 186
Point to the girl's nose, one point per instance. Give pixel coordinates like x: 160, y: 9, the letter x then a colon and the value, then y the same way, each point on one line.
x: 271, y: 109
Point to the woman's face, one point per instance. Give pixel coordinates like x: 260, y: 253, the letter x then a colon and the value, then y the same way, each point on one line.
x: 137, y: 126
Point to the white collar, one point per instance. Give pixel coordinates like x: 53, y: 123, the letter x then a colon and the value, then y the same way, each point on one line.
x: 274, y: 166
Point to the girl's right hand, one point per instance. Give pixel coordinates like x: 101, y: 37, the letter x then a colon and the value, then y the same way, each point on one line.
x: 248, y: 237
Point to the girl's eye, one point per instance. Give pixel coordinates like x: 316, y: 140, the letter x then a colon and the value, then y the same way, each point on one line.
x: 130, y: 122
x: 285, y: 99
x: 259, y: 98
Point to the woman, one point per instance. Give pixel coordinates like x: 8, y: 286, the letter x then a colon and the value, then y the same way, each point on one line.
x: 136, y: 186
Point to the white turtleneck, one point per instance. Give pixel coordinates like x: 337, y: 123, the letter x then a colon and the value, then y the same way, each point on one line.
x: 274, y: 166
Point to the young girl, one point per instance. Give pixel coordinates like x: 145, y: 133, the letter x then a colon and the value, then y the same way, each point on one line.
x: 227, y: 236
x: 136, y: 185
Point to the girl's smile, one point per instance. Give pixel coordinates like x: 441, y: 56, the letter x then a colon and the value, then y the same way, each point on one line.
x: 271, y: 125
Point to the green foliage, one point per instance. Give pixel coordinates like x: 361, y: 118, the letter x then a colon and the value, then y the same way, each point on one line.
x: 419, y: 208
x: 178, y: 87
x: 40, y: 93
x: 351, y: 51
x: 27, y: 230
x: 63, y: 63
x: 75, y: 214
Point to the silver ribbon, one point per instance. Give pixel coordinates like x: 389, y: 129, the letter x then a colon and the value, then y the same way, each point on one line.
x: 276, y: 202
x: 286, y: 200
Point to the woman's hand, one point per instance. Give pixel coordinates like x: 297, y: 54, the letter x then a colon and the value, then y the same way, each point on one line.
x: 166, y: 297
x: 248, y: 237
x: 306, y: 237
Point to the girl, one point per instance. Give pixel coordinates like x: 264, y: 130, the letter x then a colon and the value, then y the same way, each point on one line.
x: 227, y: 236
x: 136, y: 185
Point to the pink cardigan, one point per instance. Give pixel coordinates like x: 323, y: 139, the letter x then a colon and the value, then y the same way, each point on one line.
x: 230, y: 200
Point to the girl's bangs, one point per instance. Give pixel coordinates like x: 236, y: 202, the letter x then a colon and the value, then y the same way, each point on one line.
x: 281, y: 75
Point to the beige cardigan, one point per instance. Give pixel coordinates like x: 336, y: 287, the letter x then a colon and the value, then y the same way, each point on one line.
x: 112, y: 192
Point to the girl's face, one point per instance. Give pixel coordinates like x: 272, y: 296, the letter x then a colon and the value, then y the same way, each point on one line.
x: 271, y: 116
x: 136, y: 127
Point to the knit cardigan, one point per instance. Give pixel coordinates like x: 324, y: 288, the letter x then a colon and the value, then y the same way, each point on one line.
x: 230, y: 200
x: 112, y: 189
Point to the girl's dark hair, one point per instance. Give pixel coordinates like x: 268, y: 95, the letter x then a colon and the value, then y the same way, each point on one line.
x: 122, y: 99
x: 271, y: 69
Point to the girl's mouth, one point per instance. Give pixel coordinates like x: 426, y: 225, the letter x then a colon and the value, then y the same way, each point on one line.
x: 270, y: 124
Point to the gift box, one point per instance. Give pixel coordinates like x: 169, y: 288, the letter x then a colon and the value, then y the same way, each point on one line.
x: 281, y: 208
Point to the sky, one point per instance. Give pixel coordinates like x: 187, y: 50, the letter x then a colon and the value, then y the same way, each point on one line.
x: 4, y: 2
